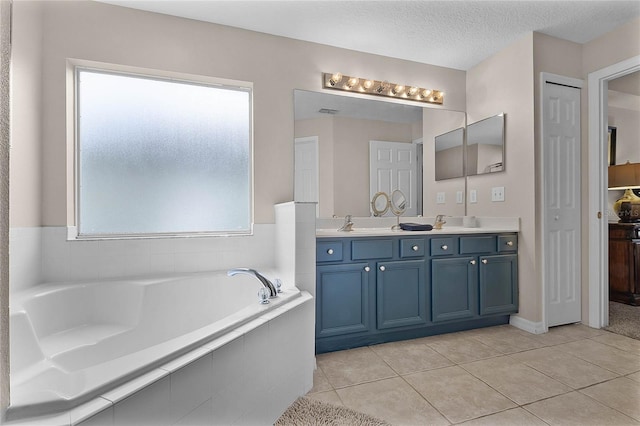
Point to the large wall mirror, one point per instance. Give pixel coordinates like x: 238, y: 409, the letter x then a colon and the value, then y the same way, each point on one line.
x: 332, y: 149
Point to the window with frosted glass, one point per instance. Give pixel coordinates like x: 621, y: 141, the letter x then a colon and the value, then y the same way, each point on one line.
x: 159, y: 156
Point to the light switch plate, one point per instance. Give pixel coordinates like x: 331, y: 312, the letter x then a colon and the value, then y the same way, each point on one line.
x: 440, y: 198
x: 497, y: 193
x: 459, y: 198
x: 473, y: 196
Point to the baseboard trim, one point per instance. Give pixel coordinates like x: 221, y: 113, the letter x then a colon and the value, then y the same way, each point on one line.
x: 526, y: 325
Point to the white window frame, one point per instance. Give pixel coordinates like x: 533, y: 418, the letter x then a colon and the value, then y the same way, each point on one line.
x: 73, y: 66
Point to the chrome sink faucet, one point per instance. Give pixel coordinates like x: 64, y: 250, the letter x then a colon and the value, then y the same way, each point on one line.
x: 348, y: 224
x: 273, y: 292
x: 439, y: 221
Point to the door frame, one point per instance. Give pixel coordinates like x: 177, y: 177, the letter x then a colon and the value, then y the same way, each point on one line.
x: 598, y: 273
x: 313, y: 140
x: 567, y: 81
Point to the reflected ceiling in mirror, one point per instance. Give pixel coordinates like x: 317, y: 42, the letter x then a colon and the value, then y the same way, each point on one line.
x: 485, y: 146
x: 310, y: 105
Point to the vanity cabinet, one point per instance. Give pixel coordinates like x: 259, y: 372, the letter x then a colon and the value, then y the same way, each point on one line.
x: 401, y: 294
x: 342, y: 299
x: 377, y: 289
x: 454, y: 283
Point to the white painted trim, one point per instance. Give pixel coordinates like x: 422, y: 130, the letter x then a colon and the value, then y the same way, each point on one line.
x: 560, y: 79
x: 567, y: 81
x: 598, y: 231
x: 528, y: 326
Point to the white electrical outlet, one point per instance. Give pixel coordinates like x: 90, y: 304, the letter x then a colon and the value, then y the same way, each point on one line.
x: 459, y: 199
x: 497, y: 193
x: 473, y: 196
x: 440, y: 198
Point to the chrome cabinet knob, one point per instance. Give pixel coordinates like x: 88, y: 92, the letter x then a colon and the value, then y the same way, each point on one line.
x: 330, y: 251
x: 367, y: 269
x: 485, y: 261
x: 510, y: 243
x: 415, y: 248
x: 473, y: 262
x: 382, y: 268
x: 444, y: 247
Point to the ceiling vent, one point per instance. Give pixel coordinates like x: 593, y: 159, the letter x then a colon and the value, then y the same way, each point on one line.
x: 328, y: 111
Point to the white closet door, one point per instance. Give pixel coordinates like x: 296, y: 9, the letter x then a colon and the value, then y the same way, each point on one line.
x: 562, y: 216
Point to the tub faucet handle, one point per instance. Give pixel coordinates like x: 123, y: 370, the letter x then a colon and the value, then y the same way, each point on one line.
x: 263, y: 295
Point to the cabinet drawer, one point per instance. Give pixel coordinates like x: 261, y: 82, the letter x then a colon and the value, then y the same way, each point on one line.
x: 483, y: 244
x: 329, y: 251
x: 443, y: 246
x: 507, y: 243
x: 412, y: 247
x: 371, y: 249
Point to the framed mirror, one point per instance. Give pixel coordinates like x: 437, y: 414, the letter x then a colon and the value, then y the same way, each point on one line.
x: 485, y: 146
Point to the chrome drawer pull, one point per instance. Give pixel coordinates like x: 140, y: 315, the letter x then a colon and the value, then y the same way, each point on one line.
x: 415, y: 248
x: 330, y: 251
x: 473, y: 262
x: 367, y: 269
x: 444, y: 247
x: 382, y: 268
x: 485, y: 261
x: 510, y: 243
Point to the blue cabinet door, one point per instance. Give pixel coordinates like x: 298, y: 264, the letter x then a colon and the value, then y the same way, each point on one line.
x: 498, y: 284
x: 342, y: 299
x: 401, y: 296
x: 454, y: 283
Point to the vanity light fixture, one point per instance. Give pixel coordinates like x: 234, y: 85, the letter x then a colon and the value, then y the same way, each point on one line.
x: 337, y: 81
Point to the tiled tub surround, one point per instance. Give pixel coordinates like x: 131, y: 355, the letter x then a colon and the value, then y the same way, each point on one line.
x: 224, y: 379
x: 154, y: 351
x: 45, y: 255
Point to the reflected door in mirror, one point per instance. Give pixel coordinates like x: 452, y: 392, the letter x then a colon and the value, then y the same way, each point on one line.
x: 392, y: 167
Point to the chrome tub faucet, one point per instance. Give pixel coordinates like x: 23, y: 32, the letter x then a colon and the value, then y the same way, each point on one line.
x: 273, y: 292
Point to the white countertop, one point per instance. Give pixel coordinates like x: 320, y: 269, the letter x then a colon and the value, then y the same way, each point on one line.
x: 453, y: 226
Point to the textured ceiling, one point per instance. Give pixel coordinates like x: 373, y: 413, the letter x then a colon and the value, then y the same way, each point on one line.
x: 454, y: 34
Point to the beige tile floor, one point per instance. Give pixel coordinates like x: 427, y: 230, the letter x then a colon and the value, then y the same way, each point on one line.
x: 572, y: 375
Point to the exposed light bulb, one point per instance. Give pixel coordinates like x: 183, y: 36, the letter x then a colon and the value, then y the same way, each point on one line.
x: 412, y: 91
x: 367, y: 84
x: 382, y: 87
x: 425, y: 93
x: 352, y: 82
x: 397, y: 89
x: 335, y: 78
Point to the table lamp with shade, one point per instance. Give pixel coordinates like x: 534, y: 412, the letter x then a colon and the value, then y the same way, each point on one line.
x: 627, y: 177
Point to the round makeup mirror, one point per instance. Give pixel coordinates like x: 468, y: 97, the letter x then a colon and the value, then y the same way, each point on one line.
x: 380, y: 204
x: 398, y: 206
x: 398, y: 202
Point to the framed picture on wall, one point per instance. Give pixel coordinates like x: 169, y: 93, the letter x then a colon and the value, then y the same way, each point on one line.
x: 612, y: 146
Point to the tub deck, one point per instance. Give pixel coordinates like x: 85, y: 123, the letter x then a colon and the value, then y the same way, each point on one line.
x: 72, y: 343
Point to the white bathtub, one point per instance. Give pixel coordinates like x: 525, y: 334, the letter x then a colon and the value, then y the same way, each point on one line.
x: 72, y: 343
